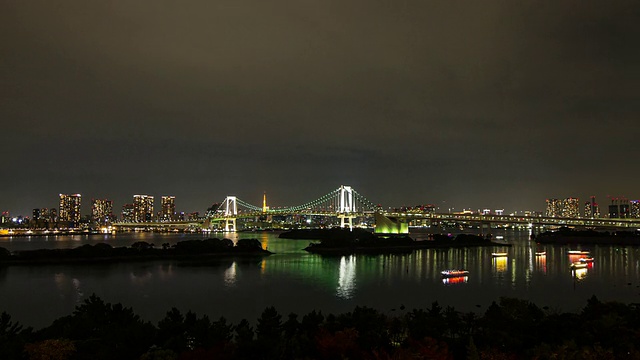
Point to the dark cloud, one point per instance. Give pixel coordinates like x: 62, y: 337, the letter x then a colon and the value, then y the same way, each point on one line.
x: 488, y: 104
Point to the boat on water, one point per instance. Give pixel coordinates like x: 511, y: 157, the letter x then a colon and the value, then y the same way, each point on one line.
x: 578, y: 252
x: 578, y: 265
x: 499, y: 254
x: 454, y: 273
x: 587, y: 259
x: 541, y: 253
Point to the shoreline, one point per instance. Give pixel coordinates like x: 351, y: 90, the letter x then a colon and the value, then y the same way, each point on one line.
x: 183, y: 251
x: 424, y: 244
x: 589, y: 237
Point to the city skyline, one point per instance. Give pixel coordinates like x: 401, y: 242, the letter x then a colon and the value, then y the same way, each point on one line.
x: 142, y: 207
x: 493, y: 104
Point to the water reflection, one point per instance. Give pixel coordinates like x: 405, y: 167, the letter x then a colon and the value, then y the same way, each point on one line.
x: 264, y: 240
x: 541, y: 263
x: 140, y: 276
x: 299, y: 281
x: 230, y: 275
x: 499, y: 264
x: 455, y: 280
x: 579, y: 274
x: 347, y: 277
x: 78, y: 292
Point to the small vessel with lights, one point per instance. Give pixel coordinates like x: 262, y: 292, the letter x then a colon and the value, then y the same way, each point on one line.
x: 587, y: 259
x: 578, y: 252
x: 499, y: 254
x: 541, y: 253
x: 578, y: 265
x: 454, y: 273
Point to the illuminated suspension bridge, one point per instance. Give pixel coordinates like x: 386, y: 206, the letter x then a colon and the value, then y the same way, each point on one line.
x: 343, y: 202
x: 347, y: 204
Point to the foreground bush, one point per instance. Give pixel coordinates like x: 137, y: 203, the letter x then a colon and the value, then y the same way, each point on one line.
x: 508, y: 329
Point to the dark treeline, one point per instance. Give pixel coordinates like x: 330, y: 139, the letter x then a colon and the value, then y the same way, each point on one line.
x: 508, y: 329
x: 140, y: 250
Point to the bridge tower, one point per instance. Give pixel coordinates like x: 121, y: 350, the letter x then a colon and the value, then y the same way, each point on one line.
x: 230, y: 213
x: 347, y: 209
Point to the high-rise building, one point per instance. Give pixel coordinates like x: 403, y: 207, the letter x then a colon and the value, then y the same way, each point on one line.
x: 588, y: 213
x: 571, y: 208
x: 101, y: 211
x: 5, y: 217
x: 36, y: 214
x: 566, y: 208
x: 44, y: 214
x: 168, y: 208
x: 142, y: 208
x: 591, y: 209
x: 127, y: 213
x: 595, y: 209
x: 553, y: 208
x: 69, y: 209
x: 634, y: 210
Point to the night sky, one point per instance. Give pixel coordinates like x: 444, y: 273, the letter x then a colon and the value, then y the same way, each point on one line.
x: 497, y: 104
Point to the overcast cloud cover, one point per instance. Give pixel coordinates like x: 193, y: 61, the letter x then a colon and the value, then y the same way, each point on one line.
x: 497, y: 104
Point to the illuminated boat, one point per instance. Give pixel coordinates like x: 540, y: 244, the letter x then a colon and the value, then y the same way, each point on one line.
x: 578, y: 265
x: 578, y: 252
x: 586, y: 259
x: 541, y: 253
x: 454, y: 273
x: 499, y: 254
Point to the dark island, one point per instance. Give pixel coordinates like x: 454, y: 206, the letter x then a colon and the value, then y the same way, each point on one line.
x: 358, y: 241
x: 188, y: 250
x: 566, y: 235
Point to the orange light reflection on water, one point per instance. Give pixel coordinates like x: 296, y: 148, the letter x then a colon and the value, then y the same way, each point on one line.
x: 455, y: 280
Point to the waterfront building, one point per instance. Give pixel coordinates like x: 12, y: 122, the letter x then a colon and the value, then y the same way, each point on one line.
x: 634, y: 209
x: 553, y: 208
x: 595, y: 209
x: 6, y: 218
x: 571, y: 208
x: 168, y: 208
x: 69, y: 208
x: 142, y: 208
x: 101, y: 211
x: 44, y: 214
x: 566, y: 208
x: 127, y: 213
x: 588, y: 213
x: 41, y: 217
x: 624, y: 209
x: 194, y: 216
